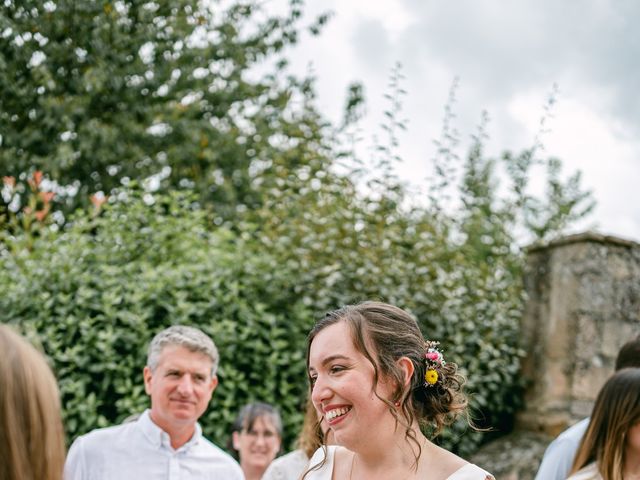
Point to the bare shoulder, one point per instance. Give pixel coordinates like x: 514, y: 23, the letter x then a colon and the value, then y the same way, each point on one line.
x: 448, y: 466
x: 470, y: 472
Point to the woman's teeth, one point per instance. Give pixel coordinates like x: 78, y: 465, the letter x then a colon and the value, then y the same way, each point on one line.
x: 338, y: 412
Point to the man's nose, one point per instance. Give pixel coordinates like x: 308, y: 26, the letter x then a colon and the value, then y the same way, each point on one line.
x: 185, y: 385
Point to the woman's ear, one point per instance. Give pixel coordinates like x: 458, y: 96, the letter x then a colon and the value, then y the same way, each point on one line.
x: 407, y: 368
x: 235, y: 438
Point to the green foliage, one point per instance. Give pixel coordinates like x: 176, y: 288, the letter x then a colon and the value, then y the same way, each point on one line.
x: 96, y: 294
x: 98, y: 92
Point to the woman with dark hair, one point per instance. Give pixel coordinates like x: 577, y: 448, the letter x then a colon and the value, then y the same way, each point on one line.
x: 610, y: 448
x: 31, y: 433
x: 377, y: 382
x: 256, y: 438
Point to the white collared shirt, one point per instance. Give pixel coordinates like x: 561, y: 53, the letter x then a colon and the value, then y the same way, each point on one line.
x: 141, y: 450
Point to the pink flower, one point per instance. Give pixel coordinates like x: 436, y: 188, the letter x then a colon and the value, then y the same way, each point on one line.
x: 46, y: 196
x: 433, y: 356
x: 9, y: 181
x: 41, y: 214
x: 34, y: 182
x: 98, y: 199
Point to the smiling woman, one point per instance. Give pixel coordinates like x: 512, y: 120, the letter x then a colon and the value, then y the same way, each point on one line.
x: 377, y: 382
x: 257, y: 437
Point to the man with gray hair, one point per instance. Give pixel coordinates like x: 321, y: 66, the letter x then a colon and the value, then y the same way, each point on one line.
x: 165, y: 442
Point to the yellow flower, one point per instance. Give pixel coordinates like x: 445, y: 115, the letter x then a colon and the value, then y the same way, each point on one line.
x: 431, y: 377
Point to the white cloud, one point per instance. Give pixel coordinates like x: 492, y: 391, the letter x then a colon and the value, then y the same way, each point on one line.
x: 507, y: 55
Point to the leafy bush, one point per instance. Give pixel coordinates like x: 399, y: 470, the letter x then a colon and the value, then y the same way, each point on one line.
x: 94, y: 296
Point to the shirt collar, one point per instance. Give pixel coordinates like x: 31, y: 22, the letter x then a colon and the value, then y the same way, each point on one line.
x: 160, y: 438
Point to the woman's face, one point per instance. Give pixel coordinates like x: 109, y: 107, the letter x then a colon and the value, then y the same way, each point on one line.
x: 633, y: 440
x: 257, y: 446
x: 342, y: 381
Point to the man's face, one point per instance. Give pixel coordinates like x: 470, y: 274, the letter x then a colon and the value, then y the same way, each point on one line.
x: 180, y: 387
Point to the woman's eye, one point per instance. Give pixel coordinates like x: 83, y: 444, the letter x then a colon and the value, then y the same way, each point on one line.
x: 312, y: 380
x: 336, y: 369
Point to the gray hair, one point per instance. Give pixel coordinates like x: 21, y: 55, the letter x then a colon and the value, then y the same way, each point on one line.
x: 252, y: 411
x: 191, y: 338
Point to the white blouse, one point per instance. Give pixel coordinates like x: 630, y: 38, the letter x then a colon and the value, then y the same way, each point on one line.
x: 467, y: 472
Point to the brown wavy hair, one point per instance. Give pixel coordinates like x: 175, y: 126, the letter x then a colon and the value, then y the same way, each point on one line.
x: 311, y: 436
x: 31, y: 435
x: 384, y: 333
x: 616, y: 410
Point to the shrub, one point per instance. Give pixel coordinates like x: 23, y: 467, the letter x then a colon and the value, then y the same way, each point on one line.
x: 95, y: 294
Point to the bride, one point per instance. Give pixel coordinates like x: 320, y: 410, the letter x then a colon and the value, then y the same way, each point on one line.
x: 376, y: 381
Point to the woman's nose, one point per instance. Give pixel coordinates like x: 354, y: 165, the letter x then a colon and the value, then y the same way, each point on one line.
x: 320, y: 392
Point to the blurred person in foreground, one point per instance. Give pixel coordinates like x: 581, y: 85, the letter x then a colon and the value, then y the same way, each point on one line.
x: 256, y: 438
x: 560, y: 453
x: 314, y: 433
x: 610, y: 448
x: 31, y: 434
x: 165, y: 442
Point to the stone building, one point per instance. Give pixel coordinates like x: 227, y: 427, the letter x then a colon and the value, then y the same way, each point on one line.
x: 583, y: 304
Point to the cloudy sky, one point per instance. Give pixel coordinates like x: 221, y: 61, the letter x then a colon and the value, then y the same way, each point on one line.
x: 507, y: 56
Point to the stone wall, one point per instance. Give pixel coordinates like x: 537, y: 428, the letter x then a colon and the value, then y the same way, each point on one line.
x: 584, y: 303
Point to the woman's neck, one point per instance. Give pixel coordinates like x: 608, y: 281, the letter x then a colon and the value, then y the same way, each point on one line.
x: 252, y: 473
x: 394, y: 457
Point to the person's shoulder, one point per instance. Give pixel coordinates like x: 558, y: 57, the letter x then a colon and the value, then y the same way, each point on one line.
x: 566, y: 444
x: 289, y: 465
x: 95, y: 449
x: 558, y: 457
x: 217, y: 454
x: 101, y: 435
x: 469, y: 471
x: 296, y: 456
x: 574, y: 433
x: 214, y: 450
x: 590, y: 472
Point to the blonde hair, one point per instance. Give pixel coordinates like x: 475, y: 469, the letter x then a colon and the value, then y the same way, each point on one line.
x: 31, y: 435
x: 616, y: 410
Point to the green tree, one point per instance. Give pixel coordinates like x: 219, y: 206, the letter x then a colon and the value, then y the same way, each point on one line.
x: 99, y: 92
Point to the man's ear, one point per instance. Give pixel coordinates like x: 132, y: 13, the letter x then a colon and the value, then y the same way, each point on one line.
x: 406, y: 365
x: 214, y: 383
x: 148, y: 377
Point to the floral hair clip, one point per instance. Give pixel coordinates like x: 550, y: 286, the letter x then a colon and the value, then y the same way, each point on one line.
x: 434, y: 361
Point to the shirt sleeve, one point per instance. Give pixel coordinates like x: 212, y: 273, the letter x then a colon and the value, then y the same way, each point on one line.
x: 272, y: 473
x: 74, y: 465
x: 558, y: 458
x: 556, y: 461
